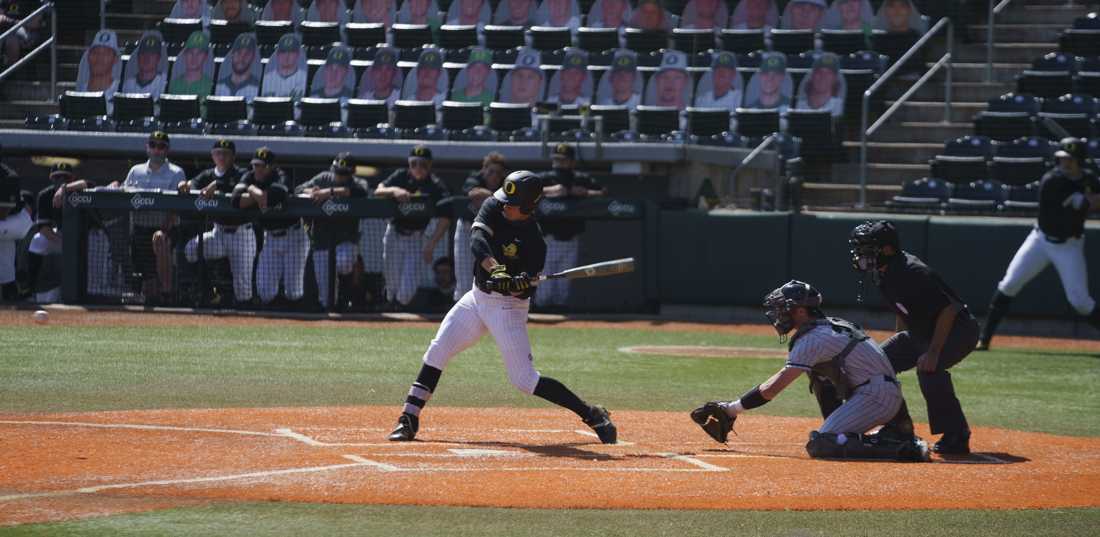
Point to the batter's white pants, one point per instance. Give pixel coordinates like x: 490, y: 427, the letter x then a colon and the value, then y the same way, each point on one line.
x: 371, y: 231
x: 282, y: 259
x: 464, y: 260
x: 560, y: 255
x: 239, y: 247
x: 504, y: 317
x: 872, y: 404
x: 1069, y: 260
x: 345, y: 262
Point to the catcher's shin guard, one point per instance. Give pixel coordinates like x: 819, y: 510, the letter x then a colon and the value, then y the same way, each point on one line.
x: 857, y: 446
x: 826, y: 393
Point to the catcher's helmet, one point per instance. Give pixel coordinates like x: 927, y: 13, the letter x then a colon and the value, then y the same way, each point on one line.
x: 793, y: 294
x: 1073, y: 148
x: 522, y: 189
x: 867, y: 241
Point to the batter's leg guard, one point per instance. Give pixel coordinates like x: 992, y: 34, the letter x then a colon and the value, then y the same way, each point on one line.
x: 857, y: 446
x: 998, y: 307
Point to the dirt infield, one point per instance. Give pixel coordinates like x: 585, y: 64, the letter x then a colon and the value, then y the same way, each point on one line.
x: 79, y: 465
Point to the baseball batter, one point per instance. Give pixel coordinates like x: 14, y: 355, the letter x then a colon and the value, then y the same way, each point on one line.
x: 833, y: 352
x: 507, y: 246
x: 1066, y: 195
x: 478, y: 187
x: 232, y: 236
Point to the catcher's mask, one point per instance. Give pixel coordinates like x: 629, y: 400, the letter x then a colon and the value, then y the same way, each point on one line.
x: 866, y: 244
x: 779, y: 303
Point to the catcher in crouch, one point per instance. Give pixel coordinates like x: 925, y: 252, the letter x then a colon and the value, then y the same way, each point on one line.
x: 849, y: 374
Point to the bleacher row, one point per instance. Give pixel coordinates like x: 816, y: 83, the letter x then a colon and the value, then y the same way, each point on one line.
x: 999, y: 167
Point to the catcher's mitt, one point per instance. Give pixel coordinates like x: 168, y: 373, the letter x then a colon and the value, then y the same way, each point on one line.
x: 714, y: 420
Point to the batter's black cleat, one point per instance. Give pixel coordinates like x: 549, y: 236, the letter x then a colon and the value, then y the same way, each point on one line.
x: 599, y: 419
x: 407, y: 425
x: 953, y: 444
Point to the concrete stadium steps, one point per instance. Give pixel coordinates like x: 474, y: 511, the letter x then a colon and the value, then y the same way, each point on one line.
x: 1010, y: 52
x: 933, y: 90
x: 35, y: 90
x: 18, y: 110
x: 1026, y: 33
x: 879, y: 173
x: 923, y: 131
x: 933, y: 111
x: 902, y: 152
x: 1036, y: 12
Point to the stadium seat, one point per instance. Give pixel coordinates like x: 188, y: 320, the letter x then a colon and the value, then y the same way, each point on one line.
x: 596, y: 40
x: 893, y: 44
x: 656, y: 122
x: 455, y: 37
x: 176, y: 32
x: 1073, y: 112
x: 503, y: 37
x: 546, y: 38
x: 506, y: 118
x: 1045, y: 84
x: 133, y: 112
x: 269, y: 32
x: 409, y: 117
x: 180, y: 113
x: 860, y: 70
x: 707, y: 122
x: 1090, y: 21
x: 742, y: 41
x: 459, y: 116
x: 411, y: 36
x: 792, y: 41
x: 1088, y: 77
x: 1021, y: 161
x: 1008, y: 117
x: 642, y: 41
x: 320, y: 117
x: 614, y: 118
x: 843, y: 42
x: 222, y: 34
x: 924, y: 193
x: 964, y: 160
x: 364, y: 35
x: 271, y: 115
x: 317, y: 37
x: 817, y: 130
x: 83, y: 110
x: 367, y: 118
x: 1022, y: 197
x: 983, y: 195
x: 692, y: 41
x: 227, y: 115
x: 756, y: 123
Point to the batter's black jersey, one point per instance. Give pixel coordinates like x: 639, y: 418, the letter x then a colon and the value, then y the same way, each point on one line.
x: 225, y: 185
x: 566, y: 228
x: 277, y: 195
x: 916, y: 293
x: 432, y: 189
x: 1056, y: 220
x: 325, y: 232
x: 518, y: 245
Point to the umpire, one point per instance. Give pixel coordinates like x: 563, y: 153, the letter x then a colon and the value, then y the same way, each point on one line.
x: 935, y: 329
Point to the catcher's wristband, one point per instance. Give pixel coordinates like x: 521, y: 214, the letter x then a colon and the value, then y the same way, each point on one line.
x: 752, y: 399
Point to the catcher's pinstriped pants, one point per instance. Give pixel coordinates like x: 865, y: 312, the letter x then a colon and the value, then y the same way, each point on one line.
x: 872, y: 404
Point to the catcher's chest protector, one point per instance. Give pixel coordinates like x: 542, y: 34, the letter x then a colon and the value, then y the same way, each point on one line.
x: 833, y: 369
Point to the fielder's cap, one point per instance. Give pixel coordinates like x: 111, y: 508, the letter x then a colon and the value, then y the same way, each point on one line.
x: 289, y: 43
x: 385, y: 56
x: 724, y: 59
x: 338, y: 56
x: 343, y: 164
x: 480, y: 55
x: 225, y: 143
x: 521, y: 188
x: 421, y: 151
x: 774, y: 63
x: 818, y: 3
x: 198, y: 39
x: 430, y: 57
x: 624, y: 60
x: 150, y: 43
x: 575, y: 58
x: 1073, y: 148
x: 159, y: 136
x: 61, y: 168
x: 528, y: 58
x: 673, y: 60
x: 245, y: 41
x: 263, y: 155
x: 827, y: 60
x: 564, y: 151
x: 105, y: 38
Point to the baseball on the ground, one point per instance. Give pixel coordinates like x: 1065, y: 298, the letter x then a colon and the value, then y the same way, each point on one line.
x: 41, y: 316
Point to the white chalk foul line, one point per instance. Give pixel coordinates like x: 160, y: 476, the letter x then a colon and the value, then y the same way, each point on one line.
x: 380, y: 465
x: 141, y: 427
x: 695, y: 462
x: 594, y: 435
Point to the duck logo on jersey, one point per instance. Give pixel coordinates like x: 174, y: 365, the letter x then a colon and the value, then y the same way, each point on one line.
x: 511, y: 251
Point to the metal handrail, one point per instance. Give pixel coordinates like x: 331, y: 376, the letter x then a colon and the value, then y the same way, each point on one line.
x: 993, y: 12
x: 51, y: 43
x: 945, y: 60
x: 772, y: 139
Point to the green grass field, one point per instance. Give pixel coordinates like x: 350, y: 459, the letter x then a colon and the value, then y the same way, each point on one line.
x: 66, y: 369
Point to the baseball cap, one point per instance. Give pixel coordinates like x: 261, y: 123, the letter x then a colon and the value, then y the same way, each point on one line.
x: 480, y: 55
x: 338, y: 56
x: 673, y: 60
x: 263, y: 155
x: 421, y: 151
x: 575, y: 58
x: 430, y: 57
x: 159, y: 136
x: 150, y: 43
x: 61, y: 167
x: 1071, y: 147
x: 827, y: 60
x: 724, y: 59
x: 247, y: 40
x: 385, y: 56
x: 105, y: 38
x: 528, y: 58
x: 289, y: 43
x: 624, y: 60
x: 198, y: 39
x: 225, y: 143
x: 565, y: 151
x: 343, y: 164
x: 774, y: 63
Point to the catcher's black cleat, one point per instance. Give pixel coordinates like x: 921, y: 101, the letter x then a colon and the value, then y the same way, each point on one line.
x: 953, y: 444
x: 407, y: 425
x: 599, y: 419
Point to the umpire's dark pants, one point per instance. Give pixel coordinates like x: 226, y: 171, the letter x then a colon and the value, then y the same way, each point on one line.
x: 945, y: 414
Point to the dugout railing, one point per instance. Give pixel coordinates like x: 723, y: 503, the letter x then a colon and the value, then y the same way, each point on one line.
x: 108, y: 255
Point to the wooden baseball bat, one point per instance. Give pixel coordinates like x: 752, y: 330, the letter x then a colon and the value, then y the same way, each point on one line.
x: 604, y: 268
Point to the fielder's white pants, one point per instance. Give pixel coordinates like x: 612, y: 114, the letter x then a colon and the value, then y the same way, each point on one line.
x: 345, y: 262
x: 371, y: 231
x: 504, y: 317
x: 560, y: 255
x: 872, y: 404
x: 282, y: 259
x: 43, y: 246
x: 464, y: 260
x: 239, y: 247
x: 1069, y: 260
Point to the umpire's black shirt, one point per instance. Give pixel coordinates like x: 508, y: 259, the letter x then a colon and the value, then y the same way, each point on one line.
x: 916, y: 293
x: 225, y: 185
x: 518, y: 245
x: 277, y: 194
x: 1059, y: 222
x: 430, y: 190
x: 564, y: 229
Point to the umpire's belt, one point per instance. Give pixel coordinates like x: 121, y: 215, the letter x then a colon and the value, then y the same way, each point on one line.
x: 282, y: 232
x: 884, y: 378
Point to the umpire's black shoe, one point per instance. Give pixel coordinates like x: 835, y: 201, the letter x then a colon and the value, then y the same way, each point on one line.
x: 599, y: 419
x: 953, y: 444
x: 407, y: 425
